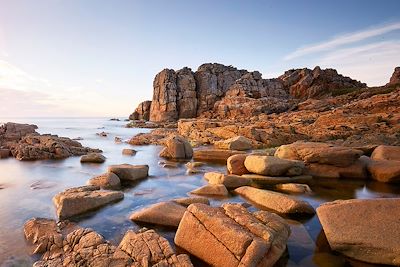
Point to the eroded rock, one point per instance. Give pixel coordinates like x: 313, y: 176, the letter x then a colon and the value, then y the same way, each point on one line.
x: 235, y: 164
x: 128, y: 172
x: 177, y: 147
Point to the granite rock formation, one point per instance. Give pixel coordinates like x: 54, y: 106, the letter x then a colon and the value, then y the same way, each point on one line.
x: 142, y: 112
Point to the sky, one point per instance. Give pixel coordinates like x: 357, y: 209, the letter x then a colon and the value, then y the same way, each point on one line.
x: 76, y: 58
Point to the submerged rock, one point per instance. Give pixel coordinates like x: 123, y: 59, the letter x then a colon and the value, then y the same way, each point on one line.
x: 211, y: 190
x: 128, y: 172
x: 272, y: 166
x: 93, y: 158
x: 275, y: 201
x: 78, y: 200
x: 366, y: 230
x: 163, y: 213
x: 106, y: 181
x: 232, y: 236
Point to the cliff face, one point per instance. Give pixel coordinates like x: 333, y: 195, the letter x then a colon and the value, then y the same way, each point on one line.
x: 219, y: 90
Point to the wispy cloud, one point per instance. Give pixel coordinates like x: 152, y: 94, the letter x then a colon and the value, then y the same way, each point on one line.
x: 343, y: 40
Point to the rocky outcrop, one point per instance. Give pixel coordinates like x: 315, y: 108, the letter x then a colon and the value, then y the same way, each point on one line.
x: 26, y: 144
x: 363, y: 229
x: 395, y: 79
x: 306, y: 83
x: 235, y: 236
x: 142, y: 111
x: 85, y: 247
x: 78, y: 200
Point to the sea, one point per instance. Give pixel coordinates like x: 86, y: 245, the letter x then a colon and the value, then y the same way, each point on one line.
x: 27, y: 189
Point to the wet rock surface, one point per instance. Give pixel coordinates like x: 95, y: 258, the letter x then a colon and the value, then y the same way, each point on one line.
x: 128, y: 172
x: 236, y: 236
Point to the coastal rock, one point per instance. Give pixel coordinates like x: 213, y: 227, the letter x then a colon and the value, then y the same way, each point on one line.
x: 294, y: 188
x: 269, y: 180
x: 395, y: 79
x: 78, y: 200
x: 229, y: 181
x: 128, y: 172
x: 363, y: 229
x: 214, y: 155
x: 4, y: 153
x: 211, y: 190
x: 14, y: 132
x: 383, y: 152
x: 186, y: 93
x: 155, y: 137
x: 106, y: 181
x: 323, y: 153
x: 235, y: 143
x: 274, y: 201
x: 163, y: 213
x: 43, y: 234
x: 177, y: 147
x: 357, y: 170
x: 93, y: 158
x: 128, y: 152
x: 272, y: 166
x: 149, y: 249
x: 306, y: 83
x: 387, y: 171
x: 235, y: 236
x: 235, y: 164
x: 186, y: 201
x: 142, y: 112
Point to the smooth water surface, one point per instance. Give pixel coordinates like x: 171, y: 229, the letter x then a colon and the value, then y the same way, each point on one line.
x: 27, y: 188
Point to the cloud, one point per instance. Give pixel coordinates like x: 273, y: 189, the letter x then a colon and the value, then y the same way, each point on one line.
x: 370, y: 63
x: 343, y: 40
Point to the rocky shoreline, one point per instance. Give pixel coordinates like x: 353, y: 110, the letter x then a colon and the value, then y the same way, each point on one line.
x: 276, y: 137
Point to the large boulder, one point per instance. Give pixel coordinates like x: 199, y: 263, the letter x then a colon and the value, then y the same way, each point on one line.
x: 128, y: 172
x: 235, y: 164
x: 357, y: 170
x: 142, y: 111
x: 272, y: 166
x: 215, y: 155
x: 163, y: 213
x: 106, y: 181
x: 383, y: 152
x: 177, y: 147
x: 78, y: 200
x: 366, y: 230
x: 387, y: 171
x: 277, y: 202
x: 235, y: 236
x: 322, y: 153
x: 235, y: 143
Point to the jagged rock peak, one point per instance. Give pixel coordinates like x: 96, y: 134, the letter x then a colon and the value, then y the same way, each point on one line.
x: 395, y: 79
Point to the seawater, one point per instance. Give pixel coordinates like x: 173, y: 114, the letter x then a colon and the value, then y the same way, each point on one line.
x: 28, y: 188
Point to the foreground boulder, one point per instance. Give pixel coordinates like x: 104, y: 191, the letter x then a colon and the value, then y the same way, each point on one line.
x: 215, y: 155
x: 177, y: 147
x: 106, y: 181
x: 235, y: 164
x: 232, y: 236
x: 322, y: 153
x: 235, y: 143
x: 163, y: 213
x: 93, y: 158
x: 387, y: 171
x: 78, y: 200
x: 272, y: 166
x: 366, y: 230
x: 128, y: 172
x: 386, y: 153
x: 275, y: 201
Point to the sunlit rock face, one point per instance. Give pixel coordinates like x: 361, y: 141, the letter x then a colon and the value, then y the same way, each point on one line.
x: 216, y: 90
x: 395, y: 79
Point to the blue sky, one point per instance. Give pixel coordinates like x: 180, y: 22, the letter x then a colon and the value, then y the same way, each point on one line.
x: 99, y: 58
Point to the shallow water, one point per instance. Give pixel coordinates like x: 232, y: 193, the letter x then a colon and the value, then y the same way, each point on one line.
x: 26, y: 190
